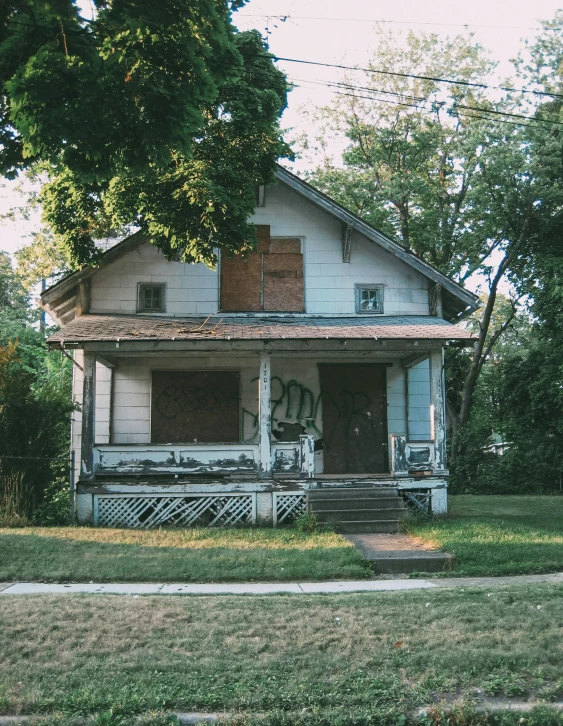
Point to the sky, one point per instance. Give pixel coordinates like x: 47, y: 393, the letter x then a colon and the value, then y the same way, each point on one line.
x: 331, y: 31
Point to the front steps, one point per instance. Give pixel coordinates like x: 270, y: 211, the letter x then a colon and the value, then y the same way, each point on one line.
x: 358, y: 509
x: 399, y: 554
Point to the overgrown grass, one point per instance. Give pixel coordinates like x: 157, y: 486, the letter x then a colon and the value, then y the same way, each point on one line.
x: 499, y: 535
x: 345, y: 655
x: 191, y: 555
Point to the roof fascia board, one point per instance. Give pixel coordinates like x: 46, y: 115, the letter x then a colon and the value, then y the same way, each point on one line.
x: 321, y: 200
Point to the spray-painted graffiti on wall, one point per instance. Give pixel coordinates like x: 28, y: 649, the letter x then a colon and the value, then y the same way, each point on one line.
x: 292, y: 403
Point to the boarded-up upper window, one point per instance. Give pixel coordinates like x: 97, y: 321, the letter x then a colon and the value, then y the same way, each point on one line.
x: 271, y: 278
x: 190, y: 406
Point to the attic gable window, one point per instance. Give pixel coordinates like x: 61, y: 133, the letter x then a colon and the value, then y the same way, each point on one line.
x: 369, y: 299
x: 151, y: 298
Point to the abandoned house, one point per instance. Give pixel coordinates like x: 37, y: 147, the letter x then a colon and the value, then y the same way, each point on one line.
x: 233, y: 395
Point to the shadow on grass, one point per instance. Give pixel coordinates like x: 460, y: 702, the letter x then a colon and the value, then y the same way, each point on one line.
x: 500, y: 535
x: 31, y: 557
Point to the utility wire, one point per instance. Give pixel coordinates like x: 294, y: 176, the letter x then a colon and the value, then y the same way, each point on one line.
x: 452, y: 111
x: 535, y: 119
x: 285, y: 18
x: 419, y: 77
x: 361, y: 88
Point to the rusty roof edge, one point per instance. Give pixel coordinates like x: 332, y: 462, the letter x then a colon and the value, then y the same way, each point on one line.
x: 335, y: 329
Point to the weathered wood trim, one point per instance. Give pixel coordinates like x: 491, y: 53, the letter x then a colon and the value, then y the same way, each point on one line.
x: 346, y: 242
x: 329, y: 205
x: 306, y: 456
x: 175, y: 459
x: 83, y: 297
x: 438, y: 410
x: 313, y: 346
x: 435, y: 306
x: 65, y: 307
x: 264, y: 415
x: 398, y: 455
x: 88, y: 415
x: 105, y: 361
x: 171, y: 485
x: 413, y: 360
x: 285, y: 457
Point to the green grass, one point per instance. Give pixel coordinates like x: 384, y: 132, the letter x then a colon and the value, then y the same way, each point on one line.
x: 499, y: 535
x: 351, y: 655
x: 192, y: 555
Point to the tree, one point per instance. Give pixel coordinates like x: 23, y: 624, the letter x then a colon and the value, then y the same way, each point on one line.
x: 35, y: 407
x: 154, y: 114
x: 439, y: 168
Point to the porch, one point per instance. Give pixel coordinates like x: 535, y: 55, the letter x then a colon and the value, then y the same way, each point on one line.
x: 129, y: 475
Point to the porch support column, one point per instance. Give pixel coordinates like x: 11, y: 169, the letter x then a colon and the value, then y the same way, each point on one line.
x: 264, y: 416
x: 88, y: 415
x: 438, y: 410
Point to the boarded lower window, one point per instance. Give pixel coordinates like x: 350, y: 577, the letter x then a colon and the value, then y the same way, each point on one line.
x: 195, y: 406
x: 271, y: 278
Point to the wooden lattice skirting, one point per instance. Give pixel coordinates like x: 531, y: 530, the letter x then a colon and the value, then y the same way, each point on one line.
x: 155, y: 510
x: 288, y: 505
x: 418, y: 501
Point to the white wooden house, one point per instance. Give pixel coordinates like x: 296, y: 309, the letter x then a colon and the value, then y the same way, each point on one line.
x: 220, y: 396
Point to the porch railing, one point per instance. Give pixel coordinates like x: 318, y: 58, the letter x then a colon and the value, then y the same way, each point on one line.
x: 407, y: 456
x: 295, y: 458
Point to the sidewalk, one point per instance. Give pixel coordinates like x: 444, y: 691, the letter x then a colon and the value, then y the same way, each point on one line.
x: 257, y: 588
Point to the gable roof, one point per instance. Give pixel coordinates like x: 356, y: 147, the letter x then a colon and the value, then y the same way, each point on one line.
x: 67, y: 298
x: 458, y: 299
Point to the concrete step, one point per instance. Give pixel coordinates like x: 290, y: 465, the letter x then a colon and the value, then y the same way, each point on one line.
x: 367, y: 526
x: 352, y: 493
x: 359, y: 515
x: 399, y: 553
x: 405, y: 563
x: 321, y: 504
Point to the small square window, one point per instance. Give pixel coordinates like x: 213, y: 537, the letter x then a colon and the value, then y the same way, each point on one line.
x: 151, y: 298
x: 369, y: 299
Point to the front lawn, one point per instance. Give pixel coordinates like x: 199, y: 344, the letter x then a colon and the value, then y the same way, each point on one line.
x: 499, y: 535
x: 347, y: 656
x: 84, y: 554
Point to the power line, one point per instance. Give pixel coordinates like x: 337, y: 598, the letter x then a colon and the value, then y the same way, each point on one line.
x: 419, y: 77
x: 285, y: 18
x: 528, y: 120
x: 361, y: 88
x: 535, y: 119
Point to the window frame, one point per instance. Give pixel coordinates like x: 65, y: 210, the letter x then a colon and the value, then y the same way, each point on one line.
x: 141, y: 286
x: 369, y: 286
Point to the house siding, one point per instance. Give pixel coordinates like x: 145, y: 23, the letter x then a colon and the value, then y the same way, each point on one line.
x: 193, y: 289
x: 419, y: 426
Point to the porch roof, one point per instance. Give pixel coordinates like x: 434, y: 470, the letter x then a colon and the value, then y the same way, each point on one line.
x: 108, y: 328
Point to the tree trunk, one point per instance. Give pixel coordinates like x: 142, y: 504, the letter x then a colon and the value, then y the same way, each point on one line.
x: 481, y: 349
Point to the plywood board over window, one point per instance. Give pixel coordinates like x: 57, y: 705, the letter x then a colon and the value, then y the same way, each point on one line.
x: 195, y: 406
x: 271, y: 278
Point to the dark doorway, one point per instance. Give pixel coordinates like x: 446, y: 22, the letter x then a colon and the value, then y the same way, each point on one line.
x: 195, y: 406
x: 354, y: 419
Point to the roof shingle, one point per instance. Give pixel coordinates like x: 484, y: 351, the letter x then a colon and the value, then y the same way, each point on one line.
x: 92, y: 328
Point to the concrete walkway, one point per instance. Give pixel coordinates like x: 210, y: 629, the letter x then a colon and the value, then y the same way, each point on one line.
x: 257, y: 588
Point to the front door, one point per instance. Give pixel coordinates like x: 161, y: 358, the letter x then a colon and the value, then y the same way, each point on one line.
x: 354, y: 419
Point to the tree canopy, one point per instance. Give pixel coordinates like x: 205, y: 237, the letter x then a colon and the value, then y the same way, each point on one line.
x: 157, y: 115
x: 468, y: 180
